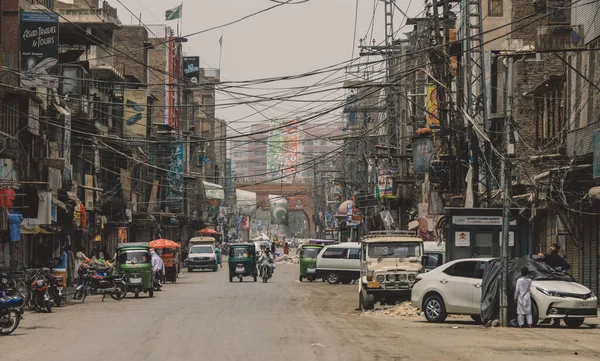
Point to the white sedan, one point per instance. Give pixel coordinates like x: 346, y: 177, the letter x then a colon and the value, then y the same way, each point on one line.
x: 455, y: 288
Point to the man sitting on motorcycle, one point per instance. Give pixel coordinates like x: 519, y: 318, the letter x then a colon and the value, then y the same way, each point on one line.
x: 266, y: 258
x: 158, y: 266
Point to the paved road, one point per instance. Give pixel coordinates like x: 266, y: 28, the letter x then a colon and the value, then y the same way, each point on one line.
x: 204, y: 317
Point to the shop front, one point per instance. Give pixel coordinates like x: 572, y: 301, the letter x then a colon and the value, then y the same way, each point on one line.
x: 477, y: 233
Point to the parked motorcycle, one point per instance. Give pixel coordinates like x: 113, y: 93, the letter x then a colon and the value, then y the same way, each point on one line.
x: 56, y: 289
x: 10, y: 313
x: 94, y: 284
x: 38, y: 297
x: 12, y: 287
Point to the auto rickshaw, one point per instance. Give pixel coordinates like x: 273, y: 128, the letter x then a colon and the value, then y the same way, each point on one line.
x: 134, y: 260
x: 308, y: 261
x: 242, y: 261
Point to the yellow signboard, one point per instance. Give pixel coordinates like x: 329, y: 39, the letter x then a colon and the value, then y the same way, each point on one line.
x: 433, y: 101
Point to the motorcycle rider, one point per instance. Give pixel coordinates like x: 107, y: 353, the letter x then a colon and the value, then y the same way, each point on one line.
x: 158, y: 266
x: 266, y: 258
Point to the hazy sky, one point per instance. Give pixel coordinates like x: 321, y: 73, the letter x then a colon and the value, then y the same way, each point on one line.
x: 290, y: 39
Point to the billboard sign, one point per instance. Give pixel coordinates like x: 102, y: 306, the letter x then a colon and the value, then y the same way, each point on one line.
x: 174, y: 190
x: 135, y: 121
x: 191, y: 69
x: 282, y: 150
x: 433, y: 114
x: 39, y: 49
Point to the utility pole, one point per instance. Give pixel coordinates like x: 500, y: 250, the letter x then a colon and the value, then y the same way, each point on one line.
x: 315, y: 198
x: 506, y: 179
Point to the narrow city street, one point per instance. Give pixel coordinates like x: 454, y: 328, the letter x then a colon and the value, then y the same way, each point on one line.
x: 204, y: 317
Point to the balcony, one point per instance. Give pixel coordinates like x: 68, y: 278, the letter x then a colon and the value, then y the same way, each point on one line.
x: 7, y: 74
x: 101, y: 63
x: 105, y: 16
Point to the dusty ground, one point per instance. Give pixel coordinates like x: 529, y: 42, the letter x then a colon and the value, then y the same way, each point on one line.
x: 204, y: 317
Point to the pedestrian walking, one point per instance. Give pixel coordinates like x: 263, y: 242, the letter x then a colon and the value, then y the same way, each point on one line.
x: 523, y: 298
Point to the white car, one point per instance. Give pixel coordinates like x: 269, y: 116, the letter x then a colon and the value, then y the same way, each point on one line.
x: 455, y: 288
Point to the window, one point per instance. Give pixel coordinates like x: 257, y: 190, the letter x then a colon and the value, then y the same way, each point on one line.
x: 434, y: 260
x: 336, y: 253
x: 462, y: 269
x: 496, y: 7
x: 480, y: 268
x: 353, y: 253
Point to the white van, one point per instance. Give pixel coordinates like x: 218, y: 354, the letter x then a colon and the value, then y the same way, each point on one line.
x: 202, y: 254
x: 339, y: 262
x: 436, y: 254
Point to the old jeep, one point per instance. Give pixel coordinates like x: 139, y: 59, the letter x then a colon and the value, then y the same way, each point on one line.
x: 390, y: 263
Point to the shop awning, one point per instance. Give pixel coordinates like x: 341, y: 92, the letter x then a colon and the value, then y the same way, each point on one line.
x: 34, y: 230
x: 213, y: 191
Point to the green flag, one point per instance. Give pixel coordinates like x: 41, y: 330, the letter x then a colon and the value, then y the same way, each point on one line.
x: 174, y: 13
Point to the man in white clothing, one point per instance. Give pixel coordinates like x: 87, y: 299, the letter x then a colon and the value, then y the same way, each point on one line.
x: 523, y: 298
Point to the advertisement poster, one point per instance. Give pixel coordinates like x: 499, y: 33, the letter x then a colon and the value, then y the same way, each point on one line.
x: 423, y: 152
x: 278, y: 207
x: 295, y: 203
x: 89, y: 193
x: 122, y: 235
x: 191, y: 69
x: 385, y: 182
x: 39, y: 49
x: 433, y: 101
x: 135, y: 121
x: 282, y: 150
x: 174, y: 192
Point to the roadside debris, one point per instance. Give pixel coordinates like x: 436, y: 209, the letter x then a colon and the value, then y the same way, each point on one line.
x: 287, y: 259
x: 404, y: 309
x: 318, y: 345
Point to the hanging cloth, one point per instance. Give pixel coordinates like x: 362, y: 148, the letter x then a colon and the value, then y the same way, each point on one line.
x: 7, y: 197
x: 14, y: 225
x: 3, y: 219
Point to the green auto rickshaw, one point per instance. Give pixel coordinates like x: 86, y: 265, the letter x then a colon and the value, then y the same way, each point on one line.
x: 308, y: 261
x: 134, y: 260
x: 242, y: 261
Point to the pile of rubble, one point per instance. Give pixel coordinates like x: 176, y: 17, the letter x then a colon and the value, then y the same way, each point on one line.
x: 404, y: 310
x: 287, y: 259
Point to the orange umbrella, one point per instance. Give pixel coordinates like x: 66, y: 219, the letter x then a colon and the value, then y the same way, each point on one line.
x: 164, y: 243
x: 207, y: 231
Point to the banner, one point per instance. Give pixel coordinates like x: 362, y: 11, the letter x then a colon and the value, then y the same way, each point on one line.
x: 228, y: 179
x: 174, y: 189
x: 89, y: 193
x: 246, y: 202
x: 423, y: 152
x: 295, y: 203
x: 135, y: 121
x: 278, y: 207
x: 282, y: 150
x: 433, y: 101
x: 39, y: 49
x: 191, y: 69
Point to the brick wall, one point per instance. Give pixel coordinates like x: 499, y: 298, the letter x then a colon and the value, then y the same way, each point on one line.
x: 10, y: 31
x: 158, y: 79
x: 130, y: 40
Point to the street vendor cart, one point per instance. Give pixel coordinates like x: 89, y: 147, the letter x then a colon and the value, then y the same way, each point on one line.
x: 170, y: 255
